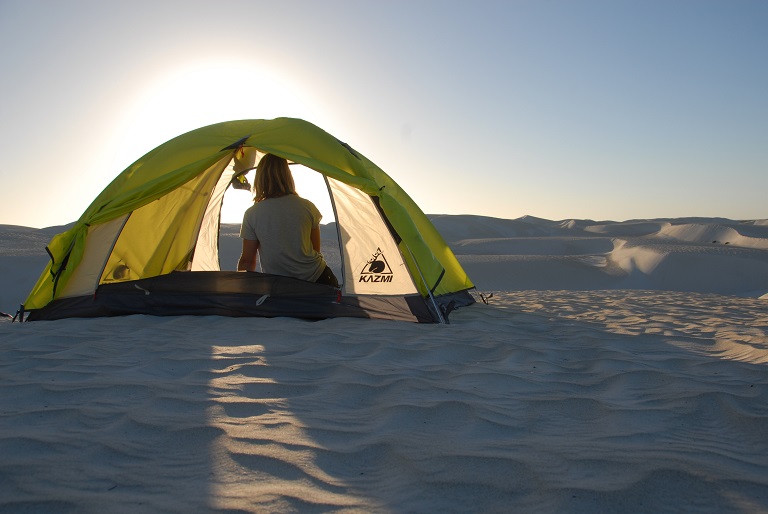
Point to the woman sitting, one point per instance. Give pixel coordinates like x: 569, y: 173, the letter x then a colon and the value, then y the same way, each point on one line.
x: 282, y: 227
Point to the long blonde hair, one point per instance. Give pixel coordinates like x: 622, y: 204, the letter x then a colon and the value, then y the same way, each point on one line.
x: 273, y: 178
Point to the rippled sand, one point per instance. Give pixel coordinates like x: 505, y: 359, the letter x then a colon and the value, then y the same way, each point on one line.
x: 569, y: 401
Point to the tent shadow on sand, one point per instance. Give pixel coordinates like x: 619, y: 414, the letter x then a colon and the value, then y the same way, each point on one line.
x: 531, y: 407
x: 555, y: 401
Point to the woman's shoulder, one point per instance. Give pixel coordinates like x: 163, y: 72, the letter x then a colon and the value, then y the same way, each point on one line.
x: 285, y: 200
x: 315, y: 212
x: 304, y: 201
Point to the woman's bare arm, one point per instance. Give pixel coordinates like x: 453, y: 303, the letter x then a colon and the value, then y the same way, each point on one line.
x: 314, y: 236
x: 247, y: 261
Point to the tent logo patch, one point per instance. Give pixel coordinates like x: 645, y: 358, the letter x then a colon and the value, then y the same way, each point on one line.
x: 376, y: 269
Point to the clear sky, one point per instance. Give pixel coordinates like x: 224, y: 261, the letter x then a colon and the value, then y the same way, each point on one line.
x: 553, y: 108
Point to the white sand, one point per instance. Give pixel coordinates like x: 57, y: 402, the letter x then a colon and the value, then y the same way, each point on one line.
x: 619, y: 367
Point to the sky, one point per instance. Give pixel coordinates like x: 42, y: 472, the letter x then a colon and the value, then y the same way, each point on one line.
x: 559, y: 109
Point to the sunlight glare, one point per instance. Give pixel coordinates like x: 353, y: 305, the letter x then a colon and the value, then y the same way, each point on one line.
x: 309, y: 185
x: 208, y: 91
x: 199, y: 94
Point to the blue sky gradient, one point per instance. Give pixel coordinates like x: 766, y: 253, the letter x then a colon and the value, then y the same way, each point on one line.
x: 557, y: 109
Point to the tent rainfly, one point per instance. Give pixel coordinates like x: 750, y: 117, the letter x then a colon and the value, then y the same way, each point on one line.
x: 149, y: 243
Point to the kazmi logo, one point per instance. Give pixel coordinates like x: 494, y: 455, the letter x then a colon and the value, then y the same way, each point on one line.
x: 376, y: 269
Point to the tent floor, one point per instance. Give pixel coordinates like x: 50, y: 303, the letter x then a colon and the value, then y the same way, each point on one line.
x: 231, y: 293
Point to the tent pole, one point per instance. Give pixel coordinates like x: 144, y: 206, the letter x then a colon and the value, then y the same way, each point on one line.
x: 338, y: 227
x: 429, y: 291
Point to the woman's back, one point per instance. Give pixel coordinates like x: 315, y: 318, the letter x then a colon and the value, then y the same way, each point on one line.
x: 282, y: 226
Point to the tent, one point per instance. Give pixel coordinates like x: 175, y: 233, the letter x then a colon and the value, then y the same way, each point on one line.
x: 149, y: 242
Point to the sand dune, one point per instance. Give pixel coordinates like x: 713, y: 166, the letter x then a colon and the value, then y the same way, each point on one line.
x: 570, y: 391
x: 692, y: 254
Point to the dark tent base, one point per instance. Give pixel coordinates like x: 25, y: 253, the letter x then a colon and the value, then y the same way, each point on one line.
x: 237, y: 294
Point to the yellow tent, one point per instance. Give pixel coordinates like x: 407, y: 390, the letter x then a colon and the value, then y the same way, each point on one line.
x: 158, y: 221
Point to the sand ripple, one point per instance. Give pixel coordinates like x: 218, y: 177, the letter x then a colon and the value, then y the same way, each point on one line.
x: 541, y: 401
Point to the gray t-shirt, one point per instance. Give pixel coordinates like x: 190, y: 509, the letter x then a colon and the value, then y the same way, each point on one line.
x: 282, y: 227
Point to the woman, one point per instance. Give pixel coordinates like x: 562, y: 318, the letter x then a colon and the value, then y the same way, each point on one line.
x: 282, y: 227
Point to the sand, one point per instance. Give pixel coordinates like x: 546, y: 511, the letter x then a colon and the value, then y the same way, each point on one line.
x: 617, y: 367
